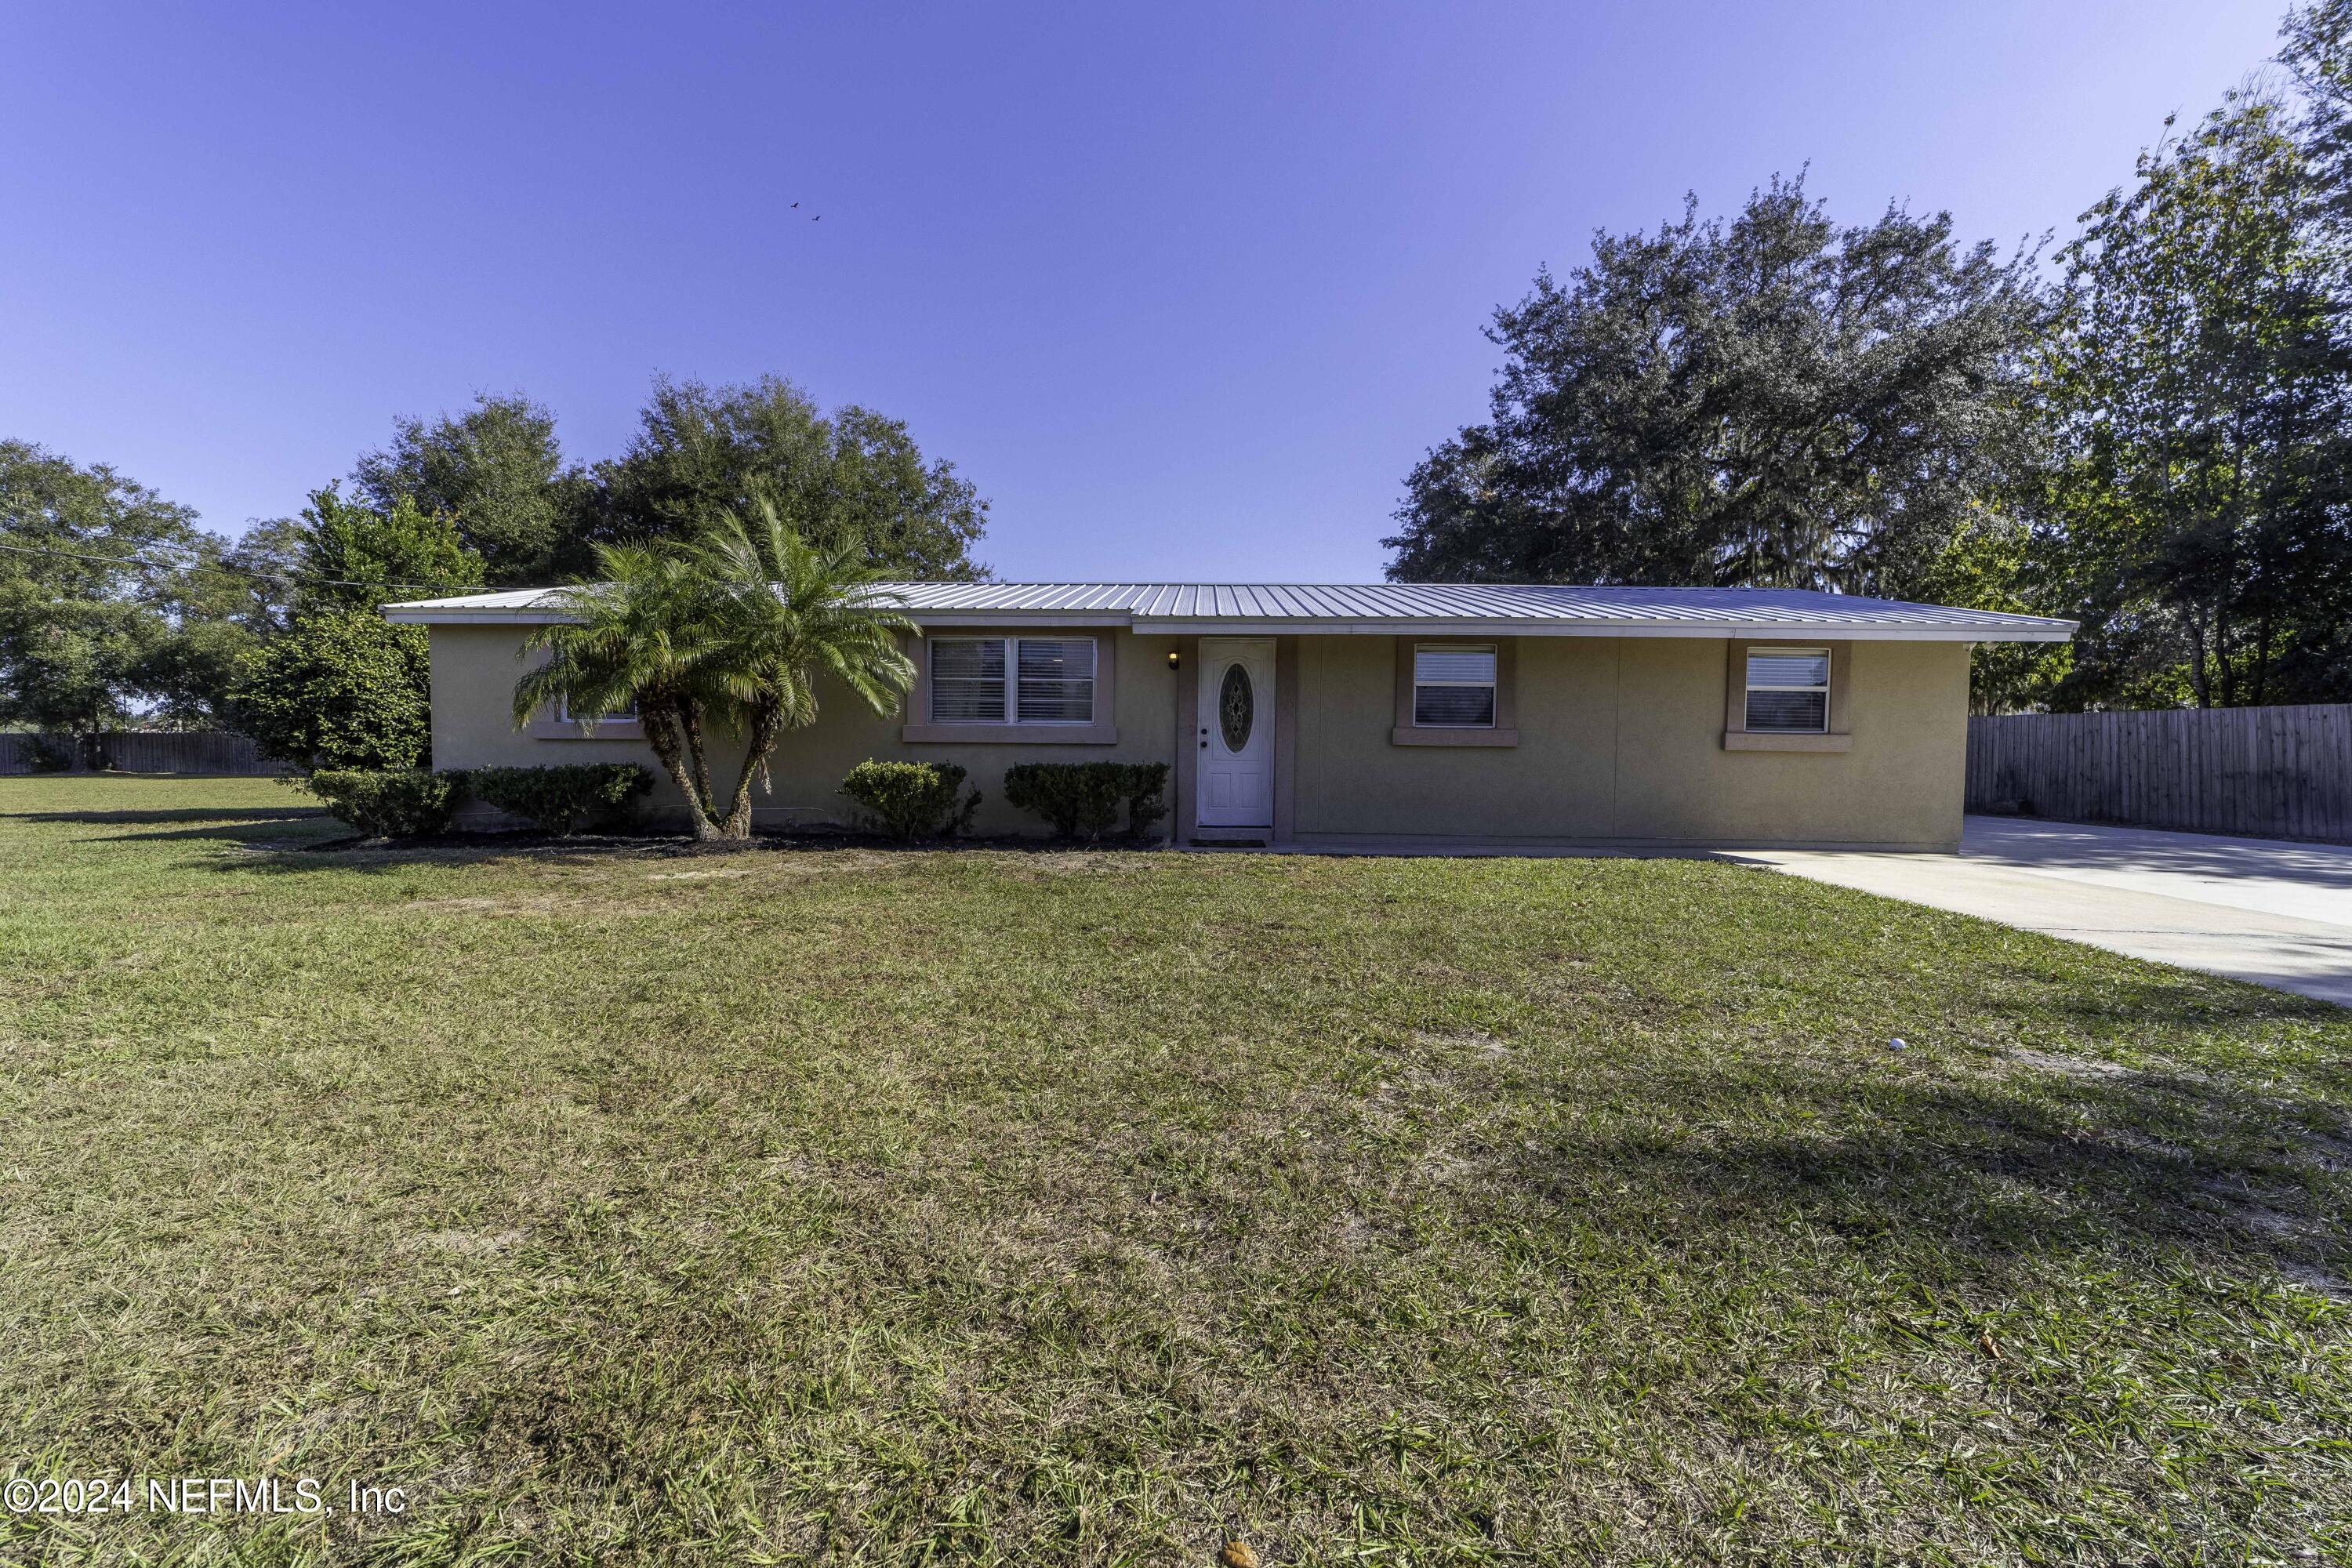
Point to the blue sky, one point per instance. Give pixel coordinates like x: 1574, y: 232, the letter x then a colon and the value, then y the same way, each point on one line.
x: 1186, y: 289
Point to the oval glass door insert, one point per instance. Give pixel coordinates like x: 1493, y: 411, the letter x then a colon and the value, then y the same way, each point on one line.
x: 1237, y: 705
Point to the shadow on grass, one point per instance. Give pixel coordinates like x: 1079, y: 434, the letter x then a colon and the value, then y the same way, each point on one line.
x: 224, y: 816
x: 2203, y: 1002
x: 1969, y: 1176
x: 352, y: 852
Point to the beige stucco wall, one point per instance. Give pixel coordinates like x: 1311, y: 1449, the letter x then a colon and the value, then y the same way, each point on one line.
x: 474, y: 668
x: 1620, y: 738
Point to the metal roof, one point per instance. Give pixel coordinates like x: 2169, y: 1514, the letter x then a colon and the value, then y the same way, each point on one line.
x: 1442, y: 608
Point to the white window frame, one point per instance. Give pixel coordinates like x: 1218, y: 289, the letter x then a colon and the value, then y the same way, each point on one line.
x: 1747, y: 684
x: 1012, y: 714
x: 1493, y: 686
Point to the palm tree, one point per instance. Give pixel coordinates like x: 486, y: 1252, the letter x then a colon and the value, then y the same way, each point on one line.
x: 634, y: 640
x: 735, y: 628
x: 785, y: 613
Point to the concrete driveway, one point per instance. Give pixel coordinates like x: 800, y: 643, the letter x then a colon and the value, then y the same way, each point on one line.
x: 2274, y: 912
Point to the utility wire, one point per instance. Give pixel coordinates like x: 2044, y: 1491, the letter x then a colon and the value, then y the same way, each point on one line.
x: 204, y: 565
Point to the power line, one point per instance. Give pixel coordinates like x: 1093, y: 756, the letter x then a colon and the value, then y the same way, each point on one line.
x: 204, y: 565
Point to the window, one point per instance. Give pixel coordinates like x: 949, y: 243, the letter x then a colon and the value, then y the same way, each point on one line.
x: 1789, y: 691
x: 1454, y: 687
x: 1056, y: 681
x: 968, y: 681
x: 1012, y: 680
x: 564, y: 715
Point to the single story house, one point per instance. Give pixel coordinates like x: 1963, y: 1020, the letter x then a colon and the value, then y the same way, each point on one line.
x: 1368, y: 714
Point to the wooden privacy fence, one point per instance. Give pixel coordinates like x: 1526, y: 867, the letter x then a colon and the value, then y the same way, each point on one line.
x: 144, y: 751
x: 2278, y: 773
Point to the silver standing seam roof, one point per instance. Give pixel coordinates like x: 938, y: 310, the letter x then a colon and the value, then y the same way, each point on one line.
x: 1531, y: 609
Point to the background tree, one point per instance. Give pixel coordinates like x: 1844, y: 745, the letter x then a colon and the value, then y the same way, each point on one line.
x: 1773, y: 401
x: 340, y: 686
x: 496, y: 471
x: 358, y: 557
x: 263, y: 566
x: 2317, y: 54
x: 183, y: 677
x: 342, y: 689
x: 849, y: 479
x: 2197, y: 386
x: 111, y: 600
x: 1991, y: 564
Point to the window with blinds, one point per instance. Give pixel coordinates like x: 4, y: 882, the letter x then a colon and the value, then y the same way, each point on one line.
x: 968, y: 680
x: 1012, y: 680
x: 1056, y: 681
x: 1454, y: 687
x: 1789, y: 691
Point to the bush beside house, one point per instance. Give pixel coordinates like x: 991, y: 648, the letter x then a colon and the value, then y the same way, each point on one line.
x: 1085, y: 800
x: 409, y: 802
x: 912, y: 800
x: 905, y: 801
x: 393, y: 803
x: 561, y: 800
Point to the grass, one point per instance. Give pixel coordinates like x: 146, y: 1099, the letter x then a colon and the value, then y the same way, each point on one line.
x: 642, y: 1207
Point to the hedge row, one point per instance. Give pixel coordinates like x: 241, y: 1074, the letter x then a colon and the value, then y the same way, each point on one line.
x: 1084, y: 800
x: 408, y: 803
x: 907, y: 801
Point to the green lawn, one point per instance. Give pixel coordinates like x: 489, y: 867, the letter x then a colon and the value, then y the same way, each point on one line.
x: 642, y: 1207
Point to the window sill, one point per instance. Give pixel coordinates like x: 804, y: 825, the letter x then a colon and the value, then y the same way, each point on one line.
x: 1438, y: 735
x: 1010, y: 735
x: 559, y: 729
x: 1764, y: 741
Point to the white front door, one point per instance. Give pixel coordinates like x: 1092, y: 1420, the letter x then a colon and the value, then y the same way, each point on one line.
x: 1236, y: 739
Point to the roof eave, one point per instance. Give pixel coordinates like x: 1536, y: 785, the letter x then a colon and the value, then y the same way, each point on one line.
x: 1163, y: 626
x: 1385, y: 625
x: 416, y: 616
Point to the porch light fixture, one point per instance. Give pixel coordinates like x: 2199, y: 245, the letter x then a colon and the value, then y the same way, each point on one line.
x: 1173, y: 659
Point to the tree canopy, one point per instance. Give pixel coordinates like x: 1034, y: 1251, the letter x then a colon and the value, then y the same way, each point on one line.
x: 1775, y: 400
x: 495, y: 471
x: 2200, y: 393
x: 358, y: 557
x: 2157, y: 442
x: 110, y: 599
x: 850, y: 479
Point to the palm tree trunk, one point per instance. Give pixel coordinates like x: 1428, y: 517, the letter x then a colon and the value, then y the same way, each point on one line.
x: 690, y: 721
x: 738, y: 823
x: 665, y: 742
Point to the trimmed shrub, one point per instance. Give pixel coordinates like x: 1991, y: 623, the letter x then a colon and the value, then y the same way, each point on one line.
x: 565, y: 798
x: 399, y: 803
x: 1078, y: 800
x: 1147, y: 796
x: 1084, y: 800
x: 912, y: 800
